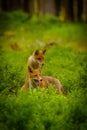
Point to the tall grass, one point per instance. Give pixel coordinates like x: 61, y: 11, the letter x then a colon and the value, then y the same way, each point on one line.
x: 42, y: 109
x: 18, y: 27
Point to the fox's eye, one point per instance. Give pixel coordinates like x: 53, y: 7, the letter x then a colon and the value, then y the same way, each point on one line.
x: 39, y: 58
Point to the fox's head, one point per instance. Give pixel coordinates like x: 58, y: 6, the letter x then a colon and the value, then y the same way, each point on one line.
x: 35, y: 75
x: 39, y: 56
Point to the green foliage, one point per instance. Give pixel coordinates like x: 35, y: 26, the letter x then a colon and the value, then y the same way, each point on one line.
x: 39, y: 108
x: 43, y: 110
x: 11, y: 78
x: 18, y: 27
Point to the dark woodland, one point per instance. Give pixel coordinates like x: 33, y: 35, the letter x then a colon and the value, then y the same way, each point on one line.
x: 70, y: 10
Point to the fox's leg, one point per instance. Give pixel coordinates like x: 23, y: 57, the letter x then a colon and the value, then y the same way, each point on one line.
x: 30, y: 84
x: 26, y: 85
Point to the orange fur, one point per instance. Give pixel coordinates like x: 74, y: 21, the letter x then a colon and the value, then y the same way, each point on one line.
x: 43, y: 81
x: 35, y: 61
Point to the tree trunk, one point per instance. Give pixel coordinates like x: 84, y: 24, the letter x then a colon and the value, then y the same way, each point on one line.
x: 0, y: 5
x: 4, y: 5
x: 31, y: 7
x: 9, y: 5
x: 13, y: 4
x: 26, y: 5
x: 49, y: 7
x: 22, y: 4
x: 64, y: 10
x: 57, y: 7
x: 85, y: 10
x: 41, y: 7
x: 75, y: 10
x: 36, y: 7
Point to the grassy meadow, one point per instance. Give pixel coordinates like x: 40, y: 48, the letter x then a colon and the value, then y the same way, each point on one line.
x: 65, y: 59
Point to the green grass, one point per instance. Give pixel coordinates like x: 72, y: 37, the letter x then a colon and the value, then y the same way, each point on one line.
x: 42, y: 109
x: 17, y: 27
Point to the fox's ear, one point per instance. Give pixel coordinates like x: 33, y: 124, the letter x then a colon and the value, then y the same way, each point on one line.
x: 44, y: 51
x: 30, y: 69
x: 36, y: 52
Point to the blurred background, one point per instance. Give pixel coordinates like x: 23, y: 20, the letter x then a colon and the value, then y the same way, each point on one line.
x: 39, y: 22
x: 73, y: 10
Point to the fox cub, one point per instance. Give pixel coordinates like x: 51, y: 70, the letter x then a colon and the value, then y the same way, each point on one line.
x: 35, y: 79
x: 35, y: 61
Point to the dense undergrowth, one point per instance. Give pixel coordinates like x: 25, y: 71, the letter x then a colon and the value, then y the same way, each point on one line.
x: 19, y: 28
x: 42, y: 109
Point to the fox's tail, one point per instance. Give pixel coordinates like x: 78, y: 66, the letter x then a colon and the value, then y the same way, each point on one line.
x: 63, y: 90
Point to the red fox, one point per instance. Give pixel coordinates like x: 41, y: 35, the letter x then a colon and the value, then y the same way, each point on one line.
x: 35, y: 79
x: 35, y: 61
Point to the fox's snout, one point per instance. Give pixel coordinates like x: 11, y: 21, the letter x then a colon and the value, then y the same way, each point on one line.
x: 40, y: 79
x: 42, y: 64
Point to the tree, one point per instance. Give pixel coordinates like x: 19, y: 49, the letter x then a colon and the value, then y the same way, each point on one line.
x: 0, y: 5
x: 31, y: 8
x: 85, y: 10
x: 49, y: 7
x: 22, y: 4
x: 80, y: 9
x: 57, y: 6
x: 41, y: 7
x: 5, y: 4
x: 36, y: 7
x: 26, y: 5
x: 75, y: 10
x: 64, y: 10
